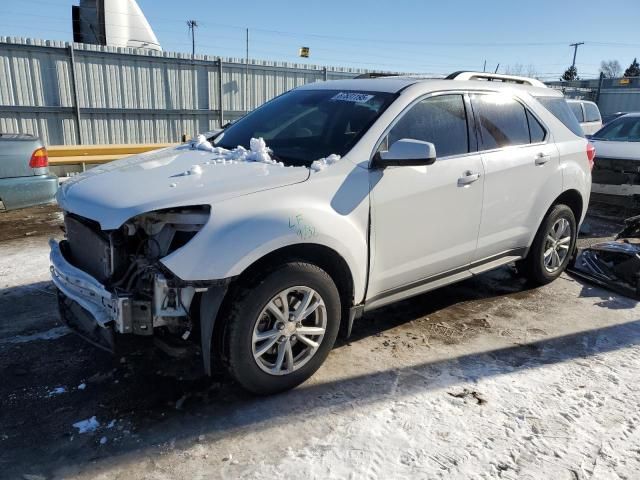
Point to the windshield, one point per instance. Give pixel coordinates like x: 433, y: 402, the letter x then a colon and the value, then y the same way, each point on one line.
x: 560, y: 109
x: 305, y: 125
x: 623, y: 129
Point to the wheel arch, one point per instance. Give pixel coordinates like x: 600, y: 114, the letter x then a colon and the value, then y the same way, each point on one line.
x: 324, y: 257
x: 572, y: 199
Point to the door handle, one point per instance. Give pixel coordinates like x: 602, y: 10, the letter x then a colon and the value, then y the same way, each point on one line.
x: 542, y: 158
x: 468, y: 178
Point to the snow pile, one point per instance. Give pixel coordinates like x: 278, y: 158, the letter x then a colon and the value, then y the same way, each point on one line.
x: 323, y: 163
x: 57, y: 391
x: 88, y: 425
x: 258, y: 152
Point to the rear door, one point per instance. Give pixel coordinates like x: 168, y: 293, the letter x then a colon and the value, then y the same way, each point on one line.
x: 522, y: 176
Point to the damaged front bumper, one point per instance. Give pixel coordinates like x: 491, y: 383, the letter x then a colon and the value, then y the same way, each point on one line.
x: 121, y: 312
x: 82, y: 288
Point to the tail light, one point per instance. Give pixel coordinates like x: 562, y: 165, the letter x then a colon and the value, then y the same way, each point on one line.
x: 39, y: 158
x: 591, y: 154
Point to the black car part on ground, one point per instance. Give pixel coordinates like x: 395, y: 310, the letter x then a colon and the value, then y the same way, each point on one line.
x: 614, y: 265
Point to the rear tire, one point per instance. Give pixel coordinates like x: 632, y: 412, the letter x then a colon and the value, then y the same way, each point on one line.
x: 552, y: 247
x: 272, y: 347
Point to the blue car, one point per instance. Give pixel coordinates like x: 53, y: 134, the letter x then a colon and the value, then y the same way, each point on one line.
x: 25, y: 179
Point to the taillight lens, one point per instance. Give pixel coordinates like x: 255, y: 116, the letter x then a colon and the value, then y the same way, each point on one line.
x: 591, y: 154
x: 39, y: 158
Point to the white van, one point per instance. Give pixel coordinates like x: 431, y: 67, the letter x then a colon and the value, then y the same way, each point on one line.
x: 588, y: 114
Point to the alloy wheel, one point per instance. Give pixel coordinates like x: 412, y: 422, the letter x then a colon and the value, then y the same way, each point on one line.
x: 289, y: 330
x: 557, y: 244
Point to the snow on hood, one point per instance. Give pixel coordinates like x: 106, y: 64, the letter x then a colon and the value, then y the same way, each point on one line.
x: 323, y: 163
x: 258, y: 152
x: 177, y: 176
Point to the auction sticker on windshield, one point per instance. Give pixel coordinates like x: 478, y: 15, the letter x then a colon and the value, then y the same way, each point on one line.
x: 352, y: 97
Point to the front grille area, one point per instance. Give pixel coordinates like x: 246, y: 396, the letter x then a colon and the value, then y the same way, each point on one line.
x: 93, y: 250
x: 613, y: 171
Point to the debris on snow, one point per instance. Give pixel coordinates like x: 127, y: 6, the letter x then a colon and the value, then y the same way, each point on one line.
x: 323, y: 163
x: 88, y: 425
x: 57, y: 391
x: 82, y: 386
x: 469, y: 393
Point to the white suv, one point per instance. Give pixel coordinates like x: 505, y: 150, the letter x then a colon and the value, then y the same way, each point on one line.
x: 254, y: 246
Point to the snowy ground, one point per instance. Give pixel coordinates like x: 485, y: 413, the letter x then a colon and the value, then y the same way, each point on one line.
x: 485, y: 379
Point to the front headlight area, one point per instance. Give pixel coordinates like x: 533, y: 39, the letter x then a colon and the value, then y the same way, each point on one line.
x: 153, y: 301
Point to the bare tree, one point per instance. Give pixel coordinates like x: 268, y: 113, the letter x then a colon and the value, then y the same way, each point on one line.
x: 611, y: 68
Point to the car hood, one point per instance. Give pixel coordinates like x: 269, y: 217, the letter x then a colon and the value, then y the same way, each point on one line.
x: 113, y: 193
x: 618, y: 150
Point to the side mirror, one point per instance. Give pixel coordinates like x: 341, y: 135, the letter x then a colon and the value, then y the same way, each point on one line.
x: 406, y: 152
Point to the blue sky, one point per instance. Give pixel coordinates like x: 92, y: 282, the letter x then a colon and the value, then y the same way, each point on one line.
x: 399, y: 35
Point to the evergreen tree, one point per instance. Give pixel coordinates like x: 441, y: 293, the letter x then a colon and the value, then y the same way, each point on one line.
x: 570, y: 73
x: 633, y: 70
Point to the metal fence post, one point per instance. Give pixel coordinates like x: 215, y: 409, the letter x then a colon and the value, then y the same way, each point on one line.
x: 599, y: 88
x: 220, y: 106
x: 74, y: 93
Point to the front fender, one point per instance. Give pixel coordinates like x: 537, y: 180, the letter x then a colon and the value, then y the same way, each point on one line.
x: 245, y: 229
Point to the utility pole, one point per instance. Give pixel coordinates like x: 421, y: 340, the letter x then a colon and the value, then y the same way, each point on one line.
x: 192, y: 24
x: 497, y: 67
x: 484, y: 67
x: 575, y: 51
x: 246, y: 74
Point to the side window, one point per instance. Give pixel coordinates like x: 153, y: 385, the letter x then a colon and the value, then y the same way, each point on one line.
x: 536, y: 131
x: 502, y: 121
x: 440, y: 120
x: 576, y: 108
x: 591, y: 112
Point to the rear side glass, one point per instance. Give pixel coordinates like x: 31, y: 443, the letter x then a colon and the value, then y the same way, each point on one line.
x: 502, y: 120
x: 576, y: 108
x: 536, y: 132
x: 559, y: 108
x: 441, y: 120
x: 591, y: 112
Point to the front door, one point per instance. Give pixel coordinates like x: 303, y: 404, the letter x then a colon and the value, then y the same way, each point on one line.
x: 425, y: 219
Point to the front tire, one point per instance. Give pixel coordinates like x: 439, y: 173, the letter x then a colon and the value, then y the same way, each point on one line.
x: 282, y: 327
x: 552, y: 247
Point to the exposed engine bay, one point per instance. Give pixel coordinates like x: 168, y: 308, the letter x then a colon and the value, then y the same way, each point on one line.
x: 146, y: 298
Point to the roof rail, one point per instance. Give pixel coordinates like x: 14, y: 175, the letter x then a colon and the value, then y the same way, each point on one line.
x: 495, y: 77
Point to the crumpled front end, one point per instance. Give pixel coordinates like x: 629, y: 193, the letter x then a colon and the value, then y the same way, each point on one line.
x: 112, y: 285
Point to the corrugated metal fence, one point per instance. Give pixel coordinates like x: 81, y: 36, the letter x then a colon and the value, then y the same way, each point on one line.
x: 611, y: 94
x: 87, y: 94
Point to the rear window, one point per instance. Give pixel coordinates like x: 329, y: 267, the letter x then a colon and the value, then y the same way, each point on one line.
x: 503, y: 121
x: 591, y: 112
x: 559, y: 108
